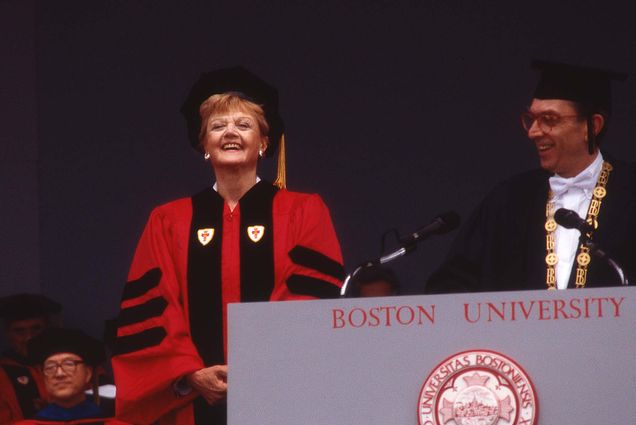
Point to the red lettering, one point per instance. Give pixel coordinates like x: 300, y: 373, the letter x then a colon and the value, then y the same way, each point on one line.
x: 458, y: 364
x: 374, y: 320
x: 411, y: 315
x: 388, y: 314
x: 484, y: 360
x: 466, y: 306
x: 617, y: 306
x: 526, y: 313
x: 501, y: 313
x: 445, y: 370
x: 427, y: 398
x: 429, y: 315
x: 337, y: 315
x: 544, y: 310
x: 599, y: 302
x: 575, y: 304
x: 524, y: 392
x: 363, y: 317
x: 587, y: 308
x: 496, y: 364
x: 558, y: 308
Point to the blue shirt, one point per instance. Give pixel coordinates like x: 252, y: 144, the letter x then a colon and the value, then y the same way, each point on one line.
x: 86, y: 409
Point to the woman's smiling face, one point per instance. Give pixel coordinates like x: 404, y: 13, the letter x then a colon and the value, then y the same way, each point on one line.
x: 233, y: 139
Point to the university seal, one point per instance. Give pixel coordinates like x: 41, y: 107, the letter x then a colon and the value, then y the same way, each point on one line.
x: 477, y: 387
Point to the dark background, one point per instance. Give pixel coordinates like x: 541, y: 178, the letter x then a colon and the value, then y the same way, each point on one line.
x: 395, y: 111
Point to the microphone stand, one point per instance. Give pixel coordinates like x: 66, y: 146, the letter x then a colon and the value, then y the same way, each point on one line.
x: 594, y: 249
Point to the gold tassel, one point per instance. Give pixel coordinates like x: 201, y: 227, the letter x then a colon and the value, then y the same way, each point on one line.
x: 281, y: 178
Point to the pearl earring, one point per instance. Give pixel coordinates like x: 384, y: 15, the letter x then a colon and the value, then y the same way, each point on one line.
x: 206, y: 156
x: 260, y: 153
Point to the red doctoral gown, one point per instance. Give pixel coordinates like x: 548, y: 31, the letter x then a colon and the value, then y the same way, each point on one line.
x: 87, y: 421
x: 195, y: 256
x: 22, y: 391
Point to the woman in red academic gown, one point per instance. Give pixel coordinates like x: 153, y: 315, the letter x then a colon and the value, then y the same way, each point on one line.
x: 241, y: 240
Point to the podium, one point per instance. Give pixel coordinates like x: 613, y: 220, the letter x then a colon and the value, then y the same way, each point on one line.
x: 524, y: 357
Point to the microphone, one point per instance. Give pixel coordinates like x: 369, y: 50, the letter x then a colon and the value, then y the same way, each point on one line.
x: 571, y: 220
x: 441, y: 224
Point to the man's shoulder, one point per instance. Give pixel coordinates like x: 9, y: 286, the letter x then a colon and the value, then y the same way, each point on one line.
x: 525, y: 178
x: 519, y: 187
x: 624, y: 168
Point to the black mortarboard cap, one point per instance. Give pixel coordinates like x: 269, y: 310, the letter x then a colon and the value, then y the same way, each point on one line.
x: 245, y: 84
x: 57, y: 340
x: 589, y: 86
x: 27, y: 306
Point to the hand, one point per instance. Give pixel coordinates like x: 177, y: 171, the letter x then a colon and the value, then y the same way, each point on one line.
x: 210, y: 382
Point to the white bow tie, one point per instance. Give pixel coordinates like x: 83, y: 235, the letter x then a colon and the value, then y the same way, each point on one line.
x: 584, y: 182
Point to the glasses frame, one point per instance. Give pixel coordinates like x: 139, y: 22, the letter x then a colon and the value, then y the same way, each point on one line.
x: 68, y: 366
x: 541, y: 122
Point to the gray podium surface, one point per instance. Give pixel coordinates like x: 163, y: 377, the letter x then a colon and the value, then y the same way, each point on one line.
x: 365, y: 361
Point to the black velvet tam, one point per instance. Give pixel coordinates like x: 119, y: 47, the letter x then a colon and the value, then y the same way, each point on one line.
x: 57, y: 340
x: 27, y: 306
x: 245, y: 84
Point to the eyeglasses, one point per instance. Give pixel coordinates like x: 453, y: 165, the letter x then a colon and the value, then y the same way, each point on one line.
x: 68, y: 366
x: 546, y: 121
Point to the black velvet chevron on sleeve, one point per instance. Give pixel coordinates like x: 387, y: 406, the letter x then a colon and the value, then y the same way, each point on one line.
x: 145, y: 283
x: 318, y: 261
x: 306, y: 285
x: 139, y: 313
x: 139, y: 341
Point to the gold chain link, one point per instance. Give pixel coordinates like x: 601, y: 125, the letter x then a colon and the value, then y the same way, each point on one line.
x: 583, y: 257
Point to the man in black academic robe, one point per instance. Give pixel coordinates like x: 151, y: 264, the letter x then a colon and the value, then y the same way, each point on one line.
x: 504, y: 245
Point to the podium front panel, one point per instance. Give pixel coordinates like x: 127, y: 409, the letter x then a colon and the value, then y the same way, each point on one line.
x: 366, y: 361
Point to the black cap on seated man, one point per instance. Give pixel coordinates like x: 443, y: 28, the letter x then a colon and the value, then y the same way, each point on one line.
x: 512, y: 240
x: 25, y: 316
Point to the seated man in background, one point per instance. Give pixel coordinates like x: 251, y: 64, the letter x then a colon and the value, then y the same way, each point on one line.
x: 22, y: 390
x: 68, y: 359
x: 375, y: 281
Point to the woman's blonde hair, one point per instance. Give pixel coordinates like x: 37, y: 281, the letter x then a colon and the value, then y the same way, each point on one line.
x: 229, y: 102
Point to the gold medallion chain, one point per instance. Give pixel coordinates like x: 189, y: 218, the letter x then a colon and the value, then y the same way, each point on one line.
x: 583, y: 257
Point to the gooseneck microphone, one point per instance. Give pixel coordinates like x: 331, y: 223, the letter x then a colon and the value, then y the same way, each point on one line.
x: 442, y: 223
x: 571, y: 220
